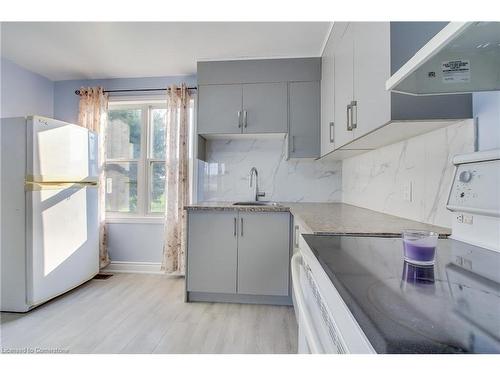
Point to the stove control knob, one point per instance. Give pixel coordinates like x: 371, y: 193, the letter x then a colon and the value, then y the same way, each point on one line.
x: 465, y: 176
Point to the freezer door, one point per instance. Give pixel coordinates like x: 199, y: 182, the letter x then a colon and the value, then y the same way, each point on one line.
x: 60, y: 152
x: 62, y: 242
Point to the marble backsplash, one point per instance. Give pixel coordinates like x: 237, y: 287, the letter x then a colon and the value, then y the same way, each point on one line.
x: 378, y: 179
x: 225, y: 174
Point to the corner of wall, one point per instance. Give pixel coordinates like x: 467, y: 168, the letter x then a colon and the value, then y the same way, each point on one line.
x: 410, y: 179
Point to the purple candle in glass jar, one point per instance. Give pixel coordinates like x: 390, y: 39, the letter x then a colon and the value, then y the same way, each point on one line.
x: 419, y: 246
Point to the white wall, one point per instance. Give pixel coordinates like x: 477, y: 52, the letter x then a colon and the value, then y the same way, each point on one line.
x: 23, y: 92
x: 225, y: 175
x: 377, y: 179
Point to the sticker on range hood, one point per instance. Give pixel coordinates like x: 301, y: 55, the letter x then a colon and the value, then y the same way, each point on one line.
x: 456, y: 71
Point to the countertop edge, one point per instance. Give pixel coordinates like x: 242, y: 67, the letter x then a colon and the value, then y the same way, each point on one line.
x: 298, y: 213
x: 238, y: 208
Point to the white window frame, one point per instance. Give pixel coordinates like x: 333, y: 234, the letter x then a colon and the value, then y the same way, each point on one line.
x: 144, y: 162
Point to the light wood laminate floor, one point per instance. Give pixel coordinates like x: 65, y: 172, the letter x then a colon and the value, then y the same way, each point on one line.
x: 134, y: 313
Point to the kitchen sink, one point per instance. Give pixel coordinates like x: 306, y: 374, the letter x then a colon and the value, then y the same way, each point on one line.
x: 256, y: 203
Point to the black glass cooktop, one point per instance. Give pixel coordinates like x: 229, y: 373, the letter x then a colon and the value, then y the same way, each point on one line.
x: 451, y: 307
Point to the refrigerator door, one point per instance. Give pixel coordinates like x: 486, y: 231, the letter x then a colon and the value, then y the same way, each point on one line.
x: 62, y: 244
x: 60, y: 152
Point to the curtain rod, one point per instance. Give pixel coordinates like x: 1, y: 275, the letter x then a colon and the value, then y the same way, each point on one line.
x: 77, y: 92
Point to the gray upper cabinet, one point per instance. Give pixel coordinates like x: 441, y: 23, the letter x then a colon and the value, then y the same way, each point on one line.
x: 212, y: 252
x: 328, y: 88
x: 264, y: 108
x: 258, y: 71
x: 373, y: 101
x: 254, y: 108
x: 250, y: 96
x: 304, y: 119
x: 219, y: 108
x: 344, y: 85
x: 365, y: 56
x: 263, y: 253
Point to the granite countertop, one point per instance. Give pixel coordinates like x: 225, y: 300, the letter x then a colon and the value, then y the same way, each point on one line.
x: 341, y: 218
x: 333, y: 218
x: 229, y: 206
x: 451, y: 307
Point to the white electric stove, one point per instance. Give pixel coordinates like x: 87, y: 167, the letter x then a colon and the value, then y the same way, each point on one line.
x: 475, y: 199
x: 347, y: 302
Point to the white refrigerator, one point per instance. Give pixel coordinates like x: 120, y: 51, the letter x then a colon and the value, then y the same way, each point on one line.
x: 49, y: 232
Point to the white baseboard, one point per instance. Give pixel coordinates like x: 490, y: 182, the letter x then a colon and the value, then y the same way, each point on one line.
x: 134, y: 267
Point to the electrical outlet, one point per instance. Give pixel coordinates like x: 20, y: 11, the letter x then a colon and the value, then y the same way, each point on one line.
x: 408, y: 191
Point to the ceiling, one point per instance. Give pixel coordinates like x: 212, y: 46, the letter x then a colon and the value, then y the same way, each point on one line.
x: 91, y: 50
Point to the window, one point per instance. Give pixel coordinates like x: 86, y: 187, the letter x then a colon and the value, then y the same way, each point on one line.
x: 135, y: 164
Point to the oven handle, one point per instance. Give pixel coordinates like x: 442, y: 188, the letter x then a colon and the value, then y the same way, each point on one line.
x: 303, y: 313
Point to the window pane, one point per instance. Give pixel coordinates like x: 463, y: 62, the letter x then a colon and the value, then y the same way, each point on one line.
x: 121, y: 187
x: 123, y: 135
x: 159, y: 118
x: 157, y: 202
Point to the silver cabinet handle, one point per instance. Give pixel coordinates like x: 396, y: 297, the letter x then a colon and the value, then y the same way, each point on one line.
x: 239, y: 119
x: 354, y: 114
x: 241, y: 227
x: 235, y: 232
x: 296, y: 236
x: 348, y: 110
x: 293, y: 143
x: 331, y: 131
x: 245, y: 118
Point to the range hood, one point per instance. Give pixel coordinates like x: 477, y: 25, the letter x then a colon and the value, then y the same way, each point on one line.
x: 463, y: 57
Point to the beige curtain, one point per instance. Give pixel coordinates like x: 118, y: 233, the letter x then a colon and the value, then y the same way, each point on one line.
x: 177, y: 181
x: 92, y: 115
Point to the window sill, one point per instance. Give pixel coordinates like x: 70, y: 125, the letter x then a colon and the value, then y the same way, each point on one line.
x: 136, y: 220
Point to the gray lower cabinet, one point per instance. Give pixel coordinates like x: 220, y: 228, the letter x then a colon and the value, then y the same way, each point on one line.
x: 212, y: 251
x: 304, y: 119
x: 219, y: 109
x: 241, y: 254
x: 263, y: 253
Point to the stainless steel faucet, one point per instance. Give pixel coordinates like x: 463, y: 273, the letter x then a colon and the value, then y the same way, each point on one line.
x: 257, y: 194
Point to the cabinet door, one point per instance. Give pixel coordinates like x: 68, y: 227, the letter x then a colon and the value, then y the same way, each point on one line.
x: 219, y: 109
x: 264, y: 253
x: 372, y: 67
x: 343, y: 76
x: 327, y: 97
x: 264, y: 106
x: 304, y: 119
x: 212, y: 252
x: 328, y: 88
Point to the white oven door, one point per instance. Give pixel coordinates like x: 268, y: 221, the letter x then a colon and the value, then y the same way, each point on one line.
x: 317, y: 331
